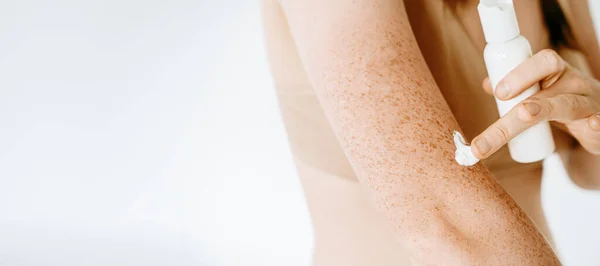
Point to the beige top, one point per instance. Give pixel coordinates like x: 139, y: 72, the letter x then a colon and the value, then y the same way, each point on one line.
x: 347, y: 228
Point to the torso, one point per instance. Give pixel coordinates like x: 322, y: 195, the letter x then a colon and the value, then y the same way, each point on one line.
x: 347, y: 229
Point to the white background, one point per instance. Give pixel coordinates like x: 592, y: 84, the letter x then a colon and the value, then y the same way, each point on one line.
x: 137, y: 132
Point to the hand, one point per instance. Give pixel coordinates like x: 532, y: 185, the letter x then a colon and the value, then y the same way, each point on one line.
x: 567, y: 97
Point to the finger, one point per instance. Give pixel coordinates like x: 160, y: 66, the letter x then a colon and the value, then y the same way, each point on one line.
x: 487, y: 86
x: 571, y: 82
x: 545, y: 67
x: 567, y: 107
x: 528, y: 113
x: 594, y: 122
x: 591, y: 137
x: 517, y: 120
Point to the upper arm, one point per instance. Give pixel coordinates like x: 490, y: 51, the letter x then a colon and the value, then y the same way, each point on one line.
x: 376, y: 89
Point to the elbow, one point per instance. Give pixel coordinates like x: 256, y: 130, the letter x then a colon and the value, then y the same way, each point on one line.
x: 432, y: 238
x: 440, y: 242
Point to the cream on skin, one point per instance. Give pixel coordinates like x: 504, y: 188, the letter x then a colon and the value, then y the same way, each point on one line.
x: 463, y: 154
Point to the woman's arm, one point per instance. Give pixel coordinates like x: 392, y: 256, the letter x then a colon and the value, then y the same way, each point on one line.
x: 396, y: 130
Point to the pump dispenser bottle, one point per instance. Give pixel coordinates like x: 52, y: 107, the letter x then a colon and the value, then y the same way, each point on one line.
x: 505, y: 50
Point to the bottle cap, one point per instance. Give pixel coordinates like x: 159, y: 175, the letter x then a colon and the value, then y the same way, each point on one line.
x: 499, y: 20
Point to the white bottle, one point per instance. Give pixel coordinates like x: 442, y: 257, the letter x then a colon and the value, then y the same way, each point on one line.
x: 505, y: 50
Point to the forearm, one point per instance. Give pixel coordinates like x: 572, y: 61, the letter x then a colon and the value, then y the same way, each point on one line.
x: 437, y: 207
x: 404, y: 152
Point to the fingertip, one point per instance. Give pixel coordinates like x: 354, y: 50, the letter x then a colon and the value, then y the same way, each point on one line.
x: 476, y: 153
x: 487, y: 86
x: 502, y: 91
x: 481, y: 147
x: 594, y: 122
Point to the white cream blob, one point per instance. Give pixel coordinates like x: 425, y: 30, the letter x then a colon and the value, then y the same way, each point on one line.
x: 463, y: 155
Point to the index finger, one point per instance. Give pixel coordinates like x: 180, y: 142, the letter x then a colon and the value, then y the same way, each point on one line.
x: 563, y: 107
x: 525, y: 115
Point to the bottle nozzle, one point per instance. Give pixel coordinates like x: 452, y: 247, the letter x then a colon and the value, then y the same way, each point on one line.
x: 498, y: 20
x: 497, y: 3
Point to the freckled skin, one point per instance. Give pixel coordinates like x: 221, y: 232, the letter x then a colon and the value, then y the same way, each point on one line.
x: 396, y: 130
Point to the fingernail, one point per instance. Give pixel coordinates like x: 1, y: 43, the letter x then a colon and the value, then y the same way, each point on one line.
x: 483, y: 146
x: 532, y: 108
x: 502, y: 90
x: 594, y: 122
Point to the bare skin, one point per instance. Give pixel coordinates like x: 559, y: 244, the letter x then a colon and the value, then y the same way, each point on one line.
x: 393, y: 96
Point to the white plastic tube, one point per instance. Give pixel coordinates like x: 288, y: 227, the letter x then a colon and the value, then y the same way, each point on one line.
x: 506, y: 49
